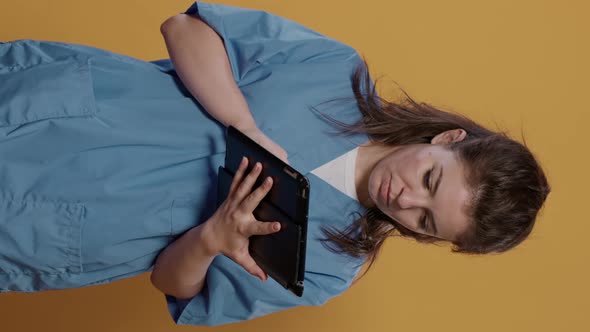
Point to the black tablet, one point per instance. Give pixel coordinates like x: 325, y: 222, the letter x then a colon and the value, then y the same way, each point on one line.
x: 281, y: 255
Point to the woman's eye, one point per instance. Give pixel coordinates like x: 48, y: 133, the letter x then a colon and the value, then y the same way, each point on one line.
x: 427, y: 179
x: 423, y: 223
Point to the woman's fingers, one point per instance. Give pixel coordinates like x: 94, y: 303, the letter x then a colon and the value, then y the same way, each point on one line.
x: 248, y: 263
x: 252, y: 201
x: 245, y: 187
x: 256, y: 196
x: 278, y: 151
x: 238, y: 176
x: 264, y: 227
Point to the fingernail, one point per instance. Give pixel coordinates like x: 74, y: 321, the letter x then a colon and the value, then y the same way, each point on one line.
x: 276, y: 226
x: 268, y: 180
x: 243, y: 162
x: 257, y: 165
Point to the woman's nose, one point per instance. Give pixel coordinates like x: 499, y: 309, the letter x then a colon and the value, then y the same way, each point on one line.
x: 408, y: 199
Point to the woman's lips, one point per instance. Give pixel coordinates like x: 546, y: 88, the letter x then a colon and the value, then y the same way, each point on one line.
x: 385, y: 190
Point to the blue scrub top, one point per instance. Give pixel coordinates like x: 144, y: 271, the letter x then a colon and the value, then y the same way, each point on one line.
x: 106, y: 159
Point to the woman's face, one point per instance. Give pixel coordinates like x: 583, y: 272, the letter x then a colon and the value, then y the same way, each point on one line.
x: 422, y: 183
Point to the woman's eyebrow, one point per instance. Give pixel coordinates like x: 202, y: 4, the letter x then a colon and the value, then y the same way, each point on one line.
x: 438, y: 181
x: 434, y: 193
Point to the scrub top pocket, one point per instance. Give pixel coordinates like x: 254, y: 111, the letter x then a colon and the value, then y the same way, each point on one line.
x: 39, y: 240
x: 46, y: 90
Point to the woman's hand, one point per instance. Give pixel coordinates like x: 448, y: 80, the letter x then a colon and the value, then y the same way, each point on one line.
x: 228, y: 230
x: 259, y: 137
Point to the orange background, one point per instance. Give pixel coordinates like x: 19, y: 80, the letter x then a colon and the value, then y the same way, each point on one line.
x: 522, y: 65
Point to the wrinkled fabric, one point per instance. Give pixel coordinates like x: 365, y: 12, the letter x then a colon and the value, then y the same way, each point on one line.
x: 106, y: 159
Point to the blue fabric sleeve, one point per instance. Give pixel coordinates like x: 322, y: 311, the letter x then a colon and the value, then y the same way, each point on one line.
x: 253, y: 38
x: 231, y: 294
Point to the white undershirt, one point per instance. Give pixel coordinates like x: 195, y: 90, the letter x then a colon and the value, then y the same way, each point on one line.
x: 340, y: 173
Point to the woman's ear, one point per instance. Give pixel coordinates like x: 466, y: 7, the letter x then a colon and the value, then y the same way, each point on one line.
x: 449, y: 136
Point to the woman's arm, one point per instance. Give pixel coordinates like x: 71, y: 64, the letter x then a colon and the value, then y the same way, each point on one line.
x: 181, y: 268
x: 200, y: 60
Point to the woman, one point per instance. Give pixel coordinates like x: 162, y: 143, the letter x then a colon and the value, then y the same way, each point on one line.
x: 109, y: 165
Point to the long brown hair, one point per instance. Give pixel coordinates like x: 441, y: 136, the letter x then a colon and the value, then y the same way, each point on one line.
x: 508, y: 187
